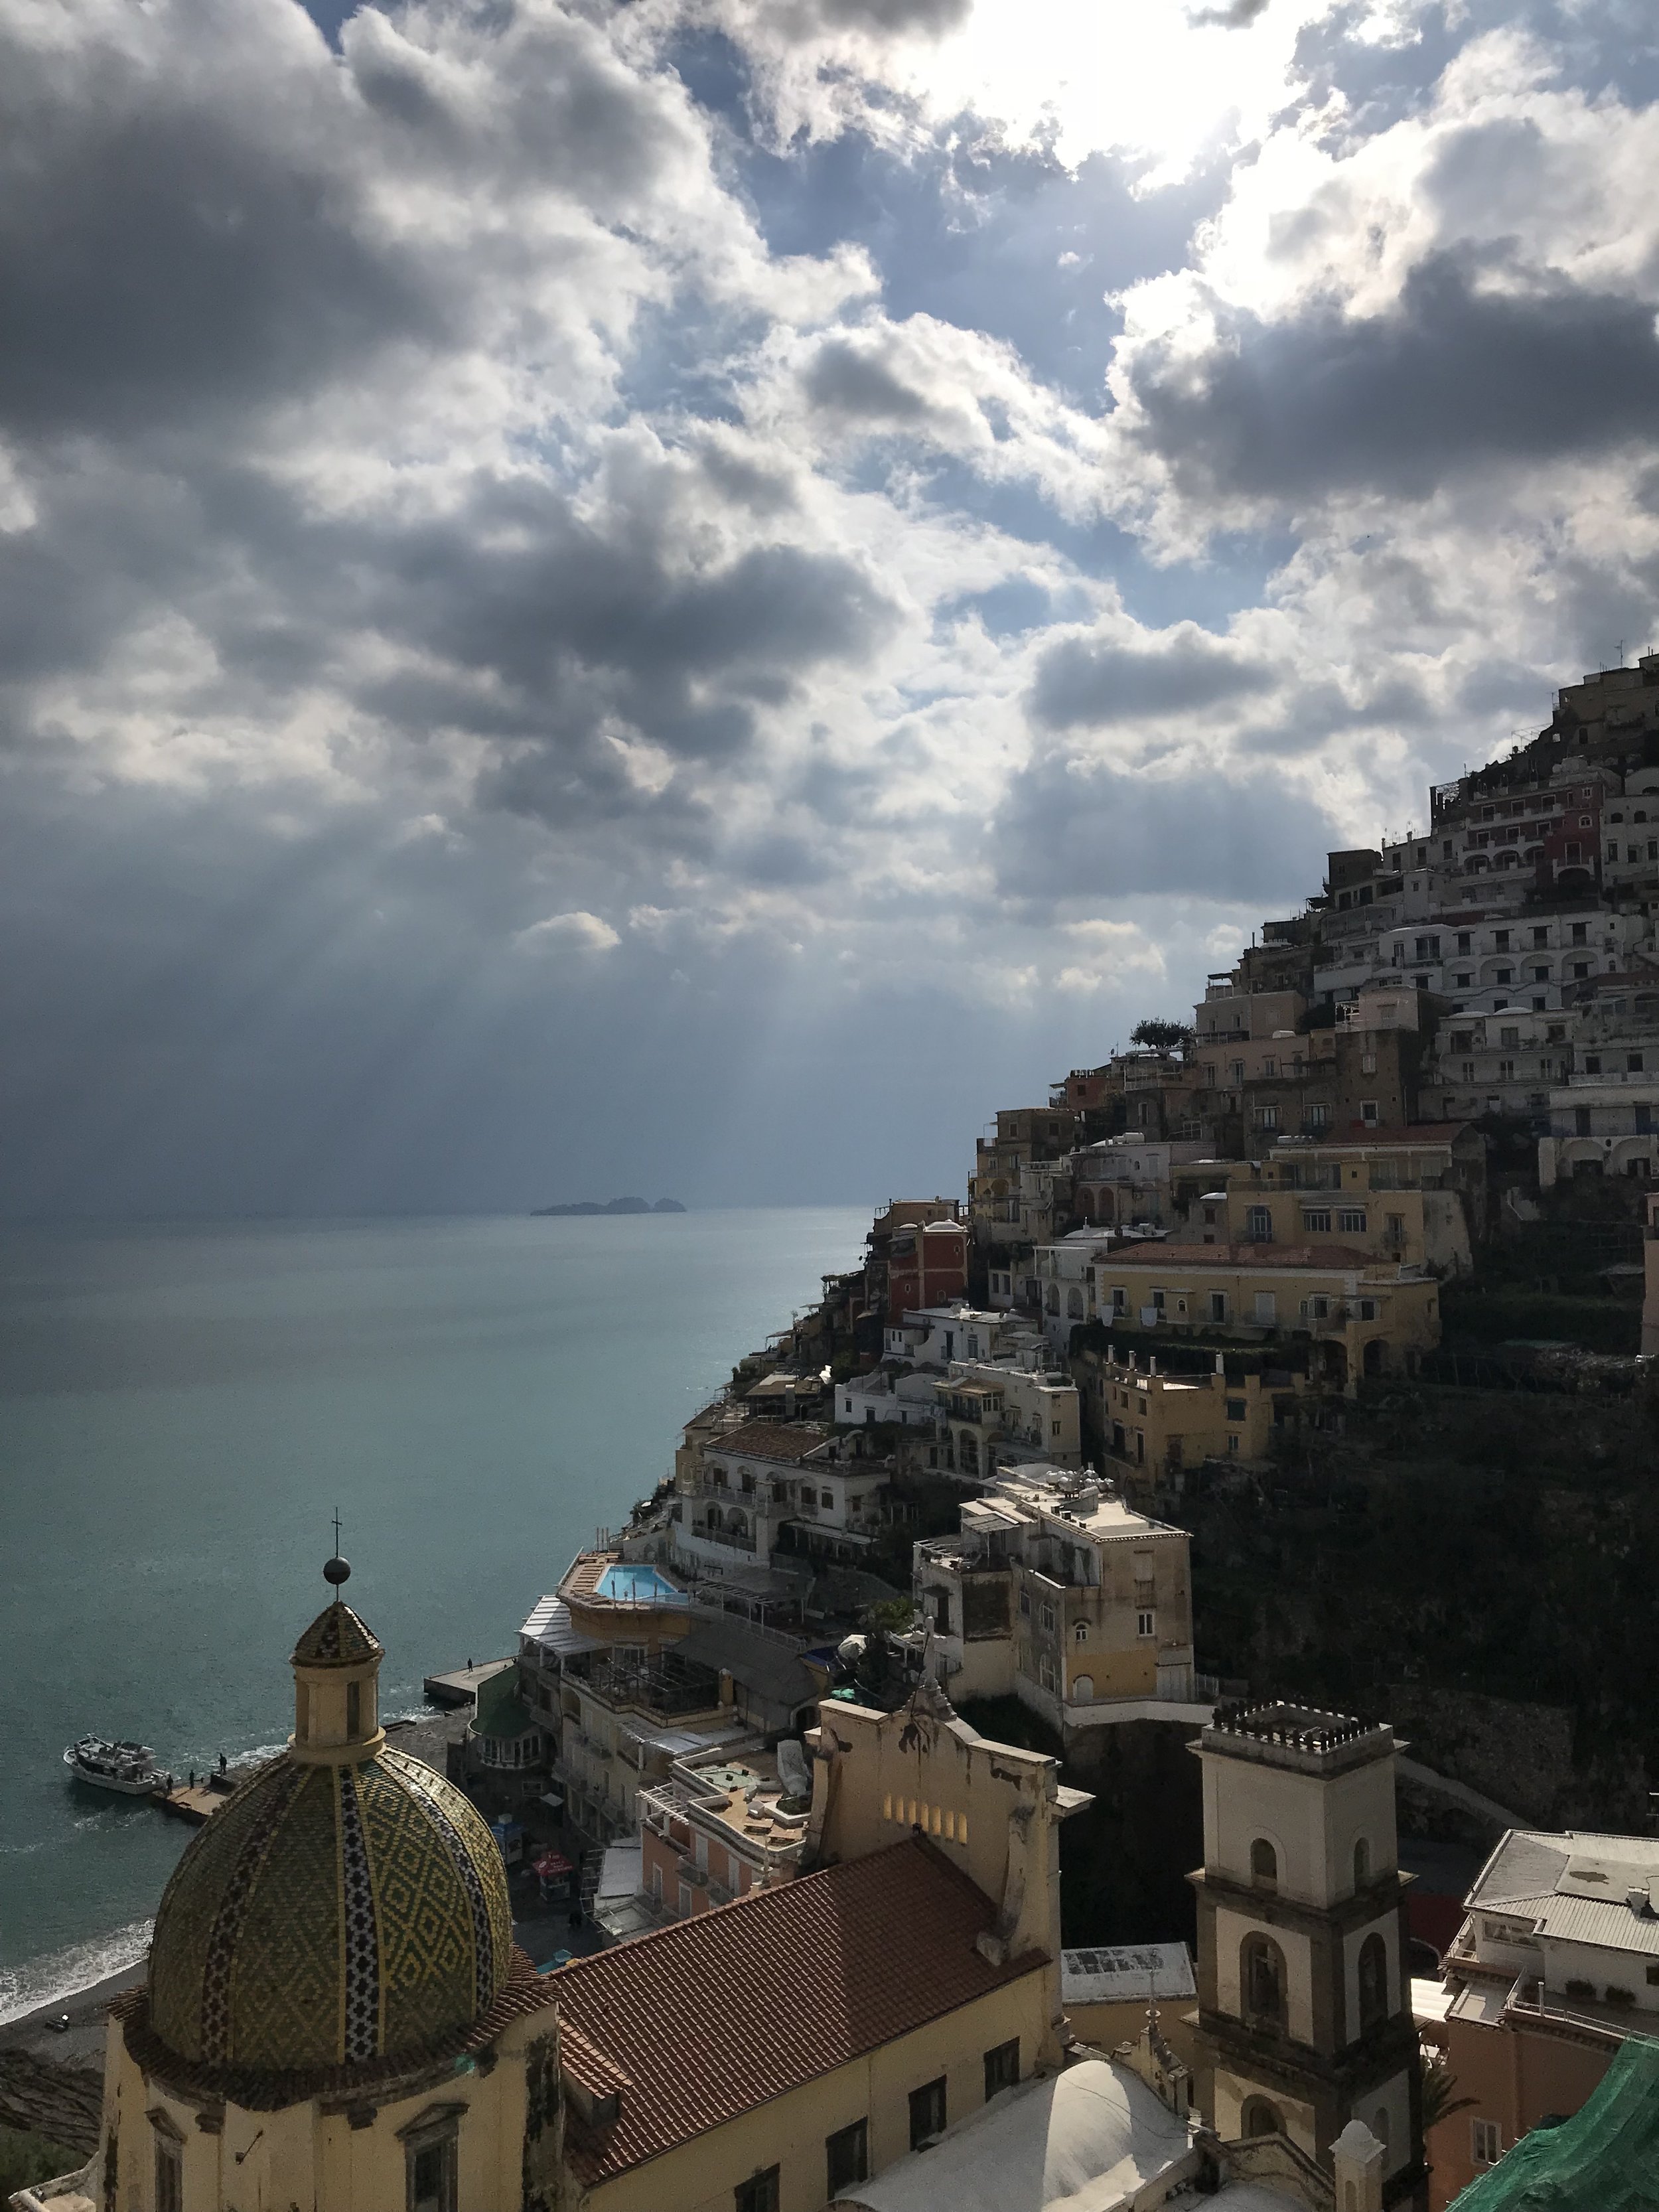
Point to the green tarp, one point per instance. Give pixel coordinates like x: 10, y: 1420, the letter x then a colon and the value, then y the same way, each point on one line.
x: 1604, y: 2158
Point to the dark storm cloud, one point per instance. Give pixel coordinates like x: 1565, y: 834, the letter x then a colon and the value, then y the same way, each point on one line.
x: 1458, y: 378
x: 162, y: 255
x: 1070, y: 829
x: 884, y: 18
x: 1238, y: 15
x: 1084, y: 684
x: 846, y: 380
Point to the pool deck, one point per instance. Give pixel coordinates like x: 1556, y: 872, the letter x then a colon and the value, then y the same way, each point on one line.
x: 461, y: 1685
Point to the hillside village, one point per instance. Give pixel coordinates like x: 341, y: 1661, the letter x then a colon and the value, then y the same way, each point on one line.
x: 1142, y: 1691
x: 1233, y: 1347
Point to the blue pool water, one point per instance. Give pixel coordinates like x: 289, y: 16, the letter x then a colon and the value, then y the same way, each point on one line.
x: 635, y: 1585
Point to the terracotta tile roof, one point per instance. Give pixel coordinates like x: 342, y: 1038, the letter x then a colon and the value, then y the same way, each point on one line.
x: 789, y: 1441
x: 337, y: 1638
x: 709, y: 2017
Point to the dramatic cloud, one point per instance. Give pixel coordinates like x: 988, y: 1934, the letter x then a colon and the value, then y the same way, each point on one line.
x: 541, y: 545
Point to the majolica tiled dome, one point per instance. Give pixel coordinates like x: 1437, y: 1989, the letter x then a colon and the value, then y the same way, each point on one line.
x: 332, y: 1911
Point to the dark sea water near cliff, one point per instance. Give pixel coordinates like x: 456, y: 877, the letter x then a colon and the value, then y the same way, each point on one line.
x: 182, y: 1408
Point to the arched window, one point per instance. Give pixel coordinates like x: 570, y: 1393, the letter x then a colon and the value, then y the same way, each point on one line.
x: 1054, y: 1297
x: 1264, y: 1864
x: 736, y: 1523
x: 1373, y: 1984
x: 1080, y: 1633
x: 1261, y: 1982
x: 1083, y: 1689
x: 1074, y: 1305
x: 1261, y: 2117
x: 1361, y: 1863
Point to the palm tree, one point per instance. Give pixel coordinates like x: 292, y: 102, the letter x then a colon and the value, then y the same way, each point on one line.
x: 1440, y: 2098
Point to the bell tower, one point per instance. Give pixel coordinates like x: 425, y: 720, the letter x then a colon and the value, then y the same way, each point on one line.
x: 1304, y: 1979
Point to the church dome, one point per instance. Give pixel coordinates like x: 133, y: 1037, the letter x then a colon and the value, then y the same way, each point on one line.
x: 346, y: 1904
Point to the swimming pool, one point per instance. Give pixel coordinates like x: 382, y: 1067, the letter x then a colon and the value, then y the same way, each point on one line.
x: 630, y: 1583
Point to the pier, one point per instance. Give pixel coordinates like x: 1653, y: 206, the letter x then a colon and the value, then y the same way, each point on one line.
x: 461, y: 1685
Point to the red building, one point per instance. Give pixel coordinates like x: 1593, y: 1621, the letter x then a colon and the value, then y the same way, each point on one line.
x: 926, y: 1266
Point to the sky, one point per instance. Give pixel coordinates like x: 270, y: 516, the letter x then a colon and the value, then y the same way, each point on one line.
x: 687, y: 597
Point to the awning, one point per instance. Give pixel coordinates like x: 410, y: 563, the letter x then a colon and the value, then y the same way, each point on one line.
x: 550, y: 1626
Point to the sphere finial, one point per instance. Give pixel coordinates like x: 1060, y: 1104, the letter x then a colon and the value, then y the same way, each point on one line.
x: 337, y: 1570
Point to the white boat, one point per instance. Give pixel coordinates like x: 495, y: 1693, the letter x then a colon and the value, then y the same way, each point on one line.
x: 122, y: 1765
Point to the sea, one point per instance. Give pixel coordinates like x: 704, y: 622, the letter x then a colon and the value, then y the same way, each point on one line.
x: 184, y: 1407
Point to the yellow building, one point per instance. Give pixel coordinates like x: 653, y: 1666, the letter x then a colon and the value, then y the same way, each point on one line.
x: 1153, y: 1424
x: 1058, y: 1593
x: 1362, y: 1315
x: 1403, y: 1195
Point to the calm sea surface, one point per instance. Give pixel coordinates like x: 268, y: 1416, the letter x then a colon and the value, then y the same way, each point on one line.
x: 181, y: 1409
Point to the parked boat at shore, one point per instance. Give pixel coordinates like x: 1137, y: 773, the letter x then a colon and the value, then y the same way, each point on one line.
x: 127, y: 1767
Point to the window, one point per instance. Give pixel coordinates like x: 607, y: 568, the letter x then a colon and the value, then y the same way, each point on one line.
x: 1235, y: 1409
x: 354, y: 1709
x: 1541, y: 938
x: 1500, y: 940
x: 1465, y: 940
x: 848, y: 2154
x: 1145, y: 1626
x: 1351, y: 1220
x: 1373, y: 1983
x: 1265, y: 1310
x: 1592, y: 1063
x: 758, y: 2194
x: 926, y: 2112
x: 1509, y: 1038
x: 1267, y: 1116
x: 1361, y: 1863
x: 1506, y: 1071
x: 1633, y: 1062
x: 1001, y: 2068
x: 1581, y: 932
x: 1464, y: 982
x: 169, y: 2174
x: 1428, y: 948
x: 1119, y: 1298
x: 430, y: 2170
x: 1025, y: 1603
x: 1260, y: 2115
x: 1486, y: 2141
x: 1218, y: 1305
x: 1317, y: 1220
x: 1369, y: 1114
x: 1049, y: 1619
x: 1264, y: 1863
x: 1261, y: 1982
x: 1080, y: 1633
x: 1368, y: 1309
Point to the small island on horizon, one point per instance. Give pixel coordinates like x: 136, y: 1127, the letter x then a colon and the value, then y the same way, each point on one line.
x: 611, y: 1205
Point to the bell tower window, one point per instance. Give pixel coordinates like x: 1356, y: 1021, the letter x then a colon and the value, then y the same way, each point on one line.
x: 1373, y: 1984
x: 1261, y: 1982
x: 1264, y: 1864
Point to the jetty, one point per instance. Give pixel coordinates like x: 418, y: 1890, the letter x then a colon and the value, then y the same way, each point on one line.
x: 461, y: 1685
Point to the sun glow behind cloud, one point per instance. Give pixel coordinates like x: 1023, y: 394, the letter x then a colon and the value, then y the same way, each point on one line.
x: 895, y: 528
